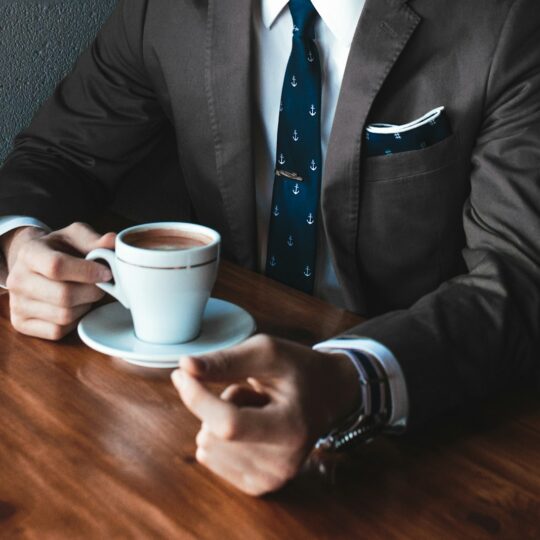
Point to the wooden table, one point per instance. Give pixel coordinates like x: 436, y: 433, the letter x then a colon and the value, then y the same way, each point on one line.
x: 91, y: 447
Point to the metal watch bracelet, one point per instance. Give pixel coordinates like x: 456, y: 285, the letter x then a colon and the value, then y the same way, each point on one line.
x: 371, y: 416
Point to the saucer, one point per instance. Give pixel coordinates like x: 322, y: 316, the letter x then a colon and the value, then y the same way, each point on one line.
x: 109, y: 330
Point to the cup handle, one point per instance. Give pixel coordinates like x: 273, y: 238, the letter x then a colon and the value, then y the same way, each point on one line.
x: 114, y: 290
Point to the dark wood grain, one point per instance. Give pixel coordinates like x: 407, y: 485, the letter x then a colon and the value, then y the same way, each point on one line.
x: 91, y: 447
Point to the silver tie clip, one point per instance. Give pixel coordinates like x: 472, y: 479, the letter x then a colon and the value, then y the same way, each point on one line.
x: 290, y: 175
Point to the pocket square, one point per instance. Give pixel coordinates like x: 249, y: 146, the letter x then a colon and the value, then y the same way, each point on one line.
x: 386, y: 139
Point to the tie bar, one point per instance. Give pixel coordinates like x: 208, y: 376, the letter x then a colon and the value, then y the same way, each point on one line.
x: 290, y: 175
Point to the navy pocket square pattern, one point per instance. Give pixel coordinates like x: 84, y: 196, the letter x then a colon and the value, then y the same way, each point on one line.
x: 387, y: 139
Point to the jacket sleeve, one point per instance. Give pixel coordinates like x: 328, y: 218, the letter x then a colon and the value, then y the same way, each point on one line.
x: 480, y: 331
x: 101, y: 120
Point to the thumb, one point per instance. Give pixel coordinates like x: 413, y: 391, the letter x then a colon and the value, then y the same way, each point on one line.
x: 82, y: 238
x: 255, y: 357
x: 106, y: 241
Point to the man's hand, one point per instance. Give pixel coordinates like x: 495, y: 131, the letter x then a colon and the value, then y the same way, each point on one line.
x: 50, y: 285
x: 282, y: 397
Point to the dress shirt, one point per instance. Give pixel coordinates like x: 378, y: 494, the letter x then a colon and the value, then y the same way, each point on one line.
x: 273, y: 40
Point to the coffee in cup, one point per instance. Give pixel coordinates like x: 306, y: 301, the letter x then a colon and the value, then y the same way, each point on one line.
x: 164, y: 274
x: 166, y: 239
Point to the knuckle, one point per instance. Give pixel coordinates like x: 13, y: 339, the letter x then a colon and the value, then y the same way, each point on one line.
x: 76, y: 226
x: 53, y: 267
x: 17, y: 322
x: 55, y: 333
x: 25, y: 251
x: 201, y: 456
x: 230, y: 428
x: 202, y: 439
x: 15, y: 305
x: 267, y: 343
x: 253, y: 487
x: 65, y: 295
x: 190, y: 397
x: 13, y: 281
x: 65, y: 316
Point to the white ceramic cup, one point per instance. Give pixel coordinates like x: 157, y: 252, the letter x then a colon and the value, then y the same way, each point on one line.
x: 166, y: 290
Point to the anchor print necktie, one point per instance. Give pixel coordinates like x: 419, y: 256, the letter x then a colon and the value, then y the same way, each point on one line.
x: 292, y: 236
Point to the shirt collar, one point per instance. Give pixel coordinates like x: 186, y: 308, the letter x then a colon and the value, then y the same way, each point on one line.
x: 342, y: 21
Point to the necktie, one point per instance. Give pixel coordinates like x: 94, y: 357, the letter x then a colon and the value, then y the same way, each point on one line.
x: 292, y: 236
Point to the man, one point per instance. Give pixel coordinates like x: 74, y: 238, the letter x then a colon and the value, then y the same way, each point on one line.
x: 438, y: 245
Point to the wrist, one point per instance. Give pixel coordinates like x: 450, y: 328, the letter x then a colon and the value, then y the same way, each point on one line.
x: 345, y: 393
x: 371, y: 416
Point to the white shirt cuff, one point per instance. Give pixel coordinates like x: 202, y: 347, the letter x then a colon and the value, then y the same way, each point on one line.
x: 8, y: 224
x: 396, y: 380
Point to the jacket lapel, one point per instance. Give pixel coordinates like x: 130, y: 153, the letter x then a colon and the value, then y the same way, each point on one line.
x: 229, y: 89
x: 383, y: 31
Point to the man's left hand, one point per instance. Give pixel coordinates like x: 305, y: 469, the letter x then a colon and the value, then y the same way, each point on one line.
x: 281, y: 398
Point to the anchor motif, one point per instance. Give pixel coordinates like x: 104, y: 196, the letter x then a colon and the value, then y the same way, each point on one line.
x: 310, y: 57
x: 295, y: 28
x: 397, y: 136
x: 273, y: 261
x: 296, y: 189
x: 295, y: 136
x: 290, y: 241
x: 310, y: 219
x: 276, y: 211
x: 281, y: 106
x: 281, y: 159
x: 308, y: 272
x: 313, y: 165
x: 294, y: 82
x: 313, y: 111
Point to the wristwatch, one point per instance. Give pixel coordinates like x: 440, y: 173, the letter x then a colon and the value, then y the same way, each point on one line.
x: 372, y: 415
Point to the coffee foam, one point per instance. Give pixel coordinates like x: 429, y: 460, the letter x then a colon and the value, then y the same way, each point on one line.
x: 166, y: 239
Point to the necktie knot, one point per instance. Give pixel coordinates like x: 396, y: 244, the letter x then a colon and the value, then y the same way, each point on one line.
x: 304, y: 16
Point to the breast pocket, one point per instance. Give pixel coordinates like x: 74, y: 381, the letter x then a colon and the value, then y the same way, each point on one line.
x: 409, y: 164
x: 410, y: 225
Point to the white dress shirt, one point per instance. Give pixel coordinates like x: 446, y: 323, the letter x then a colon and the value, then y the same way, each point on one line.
x: 273, y: 41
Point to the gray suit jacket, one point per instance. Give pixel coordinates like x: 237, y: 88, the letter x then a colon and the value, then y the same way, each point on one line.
x: 441, y: 247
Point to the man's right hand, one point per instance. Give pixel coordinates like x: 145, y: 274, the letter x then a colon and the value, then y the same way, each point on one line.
x: 51, y: 285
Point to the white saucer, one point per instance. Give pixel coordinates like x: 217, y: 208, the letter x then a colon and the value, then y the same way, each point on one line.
x: 109, y: 330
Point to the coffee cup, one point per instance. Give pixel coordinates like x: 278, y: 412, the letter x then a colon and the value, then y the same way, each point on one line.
x: 164, y: 274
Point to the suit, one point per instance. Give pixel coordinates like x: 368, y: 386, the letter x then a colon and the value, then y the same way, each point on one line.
x: 440, y: 247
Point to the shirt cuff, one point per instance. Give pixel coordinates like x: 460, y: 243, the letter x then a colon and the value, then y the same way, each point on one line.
x: 396, y: 380
x: 8, y: 224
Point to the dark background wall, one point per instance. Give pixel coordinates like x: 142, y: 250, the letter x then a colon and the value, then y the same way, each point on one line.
x: 39, y: 41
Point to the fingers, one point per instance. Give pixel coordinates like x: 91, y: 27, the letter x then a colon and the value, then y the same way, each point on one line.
x: 256, y: 356
x: 55, y: 265
x: 32, y: 286
x: 256, y: 469
x: 51, y: 286
x: 57, y: 315
x: 232, y: 471
x: 203, y: 404
x: 42, y: 329
x: 240, y: 470
x: 244, y: 396
x: 107, y: 241
x: 223, y: 418
x: 83, y: 238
